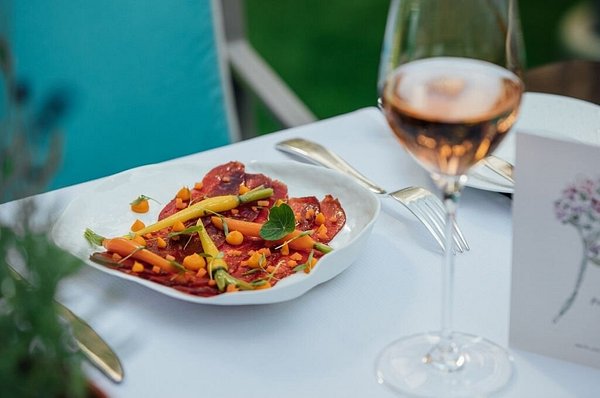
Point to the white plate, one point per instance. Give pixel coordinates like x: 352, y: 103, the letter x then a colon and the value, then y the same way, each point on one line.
x: 105, y: 209
x: 548, y: 115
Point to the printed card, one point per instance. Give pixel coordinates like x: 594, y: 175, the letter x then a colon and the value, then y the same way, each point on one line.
x: 555, y: 296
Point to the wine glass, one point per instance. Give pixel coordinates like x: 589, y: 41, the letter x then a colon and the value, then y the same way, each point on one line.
x: 450, y: 90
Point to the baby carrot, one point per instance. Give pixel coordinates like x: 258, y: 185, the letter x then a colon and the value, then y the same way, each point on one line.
x: 217, y: 266
x: 128, y: 248
x: 207, y: 206
x: 294, y: 240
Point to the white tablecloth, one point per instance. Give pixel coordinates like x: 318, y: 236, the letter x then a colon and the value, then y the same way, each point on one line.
x: 324, y: 343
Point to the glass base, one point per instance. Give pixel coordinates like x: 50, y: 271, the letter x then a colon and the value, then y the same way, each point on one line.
x: 413, y: 366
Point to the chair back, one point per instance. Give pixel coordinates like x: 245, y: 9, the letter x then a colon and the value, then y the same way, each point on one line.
x: 148, y: 79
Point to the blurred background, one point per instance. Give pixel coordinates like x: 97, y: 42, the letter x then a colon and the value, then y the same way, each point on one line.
x: 328, y: 51
x: 127, y: 87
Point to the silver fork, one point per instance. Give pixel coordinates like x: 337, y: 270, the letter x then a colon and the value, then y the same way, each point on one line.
x: 427, y: 207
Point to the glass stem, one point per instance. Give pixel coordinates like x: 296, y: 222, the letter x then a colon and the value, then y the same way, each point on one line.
x: 450, y: 203
x: 446, y: 355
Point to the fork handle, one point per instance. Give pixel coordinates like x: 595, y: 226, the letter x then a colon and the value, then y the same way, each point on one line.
x: 318, y: 154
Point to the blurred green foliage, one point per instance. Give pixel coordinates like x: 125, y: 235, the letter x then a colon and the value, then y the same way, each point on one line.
x: 328, y: 51
x: 39, y: 356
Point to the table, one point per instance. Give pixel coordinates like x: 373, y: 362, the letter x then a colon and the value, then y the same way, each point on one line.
x: 325, y: 342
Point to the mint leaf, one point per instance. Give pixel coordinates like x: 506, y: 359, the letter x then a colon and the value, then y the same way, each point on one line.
x: 281, y: 222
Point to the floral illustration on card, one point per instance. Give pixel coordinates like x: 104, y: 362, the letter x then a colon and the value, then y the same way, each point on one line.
x: 579, y: 207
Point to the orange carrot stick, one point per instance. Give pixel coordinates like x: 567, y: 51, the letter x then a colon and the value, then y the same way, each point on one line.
x: 247, y: 228
x: 128, y: 248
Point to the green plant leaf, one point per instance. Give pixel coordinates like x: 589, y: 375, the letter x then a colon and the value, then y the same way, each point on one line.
x: 281, y: 222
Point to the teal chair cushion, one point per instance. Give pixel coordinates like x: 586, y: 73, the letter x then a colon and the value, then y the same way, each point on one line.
x: 145, y: 75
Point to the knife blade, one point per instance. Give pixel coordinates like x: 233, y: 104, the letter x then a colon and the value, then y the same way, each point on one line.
x: 91, y: 345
